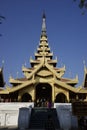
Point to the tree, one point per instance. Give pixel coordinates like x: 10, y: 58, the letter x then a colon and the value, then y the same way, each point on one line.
x: 82, y: 5
x: 1, y: 19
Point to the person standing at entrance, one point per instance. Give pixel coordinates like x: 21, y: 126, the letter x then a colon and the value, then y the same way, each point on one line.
x: 49, y: 104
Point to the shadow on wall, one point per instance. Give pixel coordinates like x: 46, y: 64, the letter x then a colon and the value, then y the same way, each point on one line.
x: 24, y: 117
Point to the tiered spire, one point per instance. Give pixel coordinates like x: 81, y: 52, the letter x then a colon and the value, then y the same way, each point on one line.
x: 43, y: 50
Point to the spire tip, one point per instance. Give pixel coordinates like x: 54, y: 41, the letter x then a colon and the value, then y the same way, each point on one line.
x: 44, y: 16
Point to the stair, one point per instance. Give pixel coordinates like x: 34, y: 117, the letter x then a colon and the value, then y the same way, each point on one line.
x: 39, y: 118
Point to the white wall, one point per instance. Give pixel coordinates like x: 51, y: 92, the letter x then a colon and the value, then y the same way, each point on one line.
x: 66, y: 119
x: 9, y: 113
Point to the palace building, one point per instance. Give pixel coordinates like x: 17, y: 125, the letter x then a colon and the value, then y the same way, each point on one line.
x: 44, y: 81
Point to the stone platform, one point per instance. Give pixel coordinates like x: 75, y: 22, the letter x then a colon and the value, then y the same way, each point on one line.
x: 13, y: 117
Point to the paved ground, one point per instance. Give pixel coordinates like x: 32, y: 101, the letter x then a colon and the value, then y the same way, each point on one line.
x: 31, y: 129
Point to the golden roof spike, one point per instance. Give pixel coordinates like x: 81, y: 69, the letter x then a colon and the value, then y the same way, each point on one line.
x: 77, y: 77
x: 44, y: 24
x: 3, y: 63
x: 44, y: 16
x: 84, y: 65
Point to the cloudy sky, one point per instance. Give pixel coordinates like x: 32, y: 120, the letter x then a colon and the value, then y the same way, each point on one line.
x: 21, y: 30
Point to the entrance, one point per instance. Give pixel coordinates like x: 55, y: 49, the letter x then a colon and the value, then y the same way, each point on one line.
x: 43, y: 94
x: 26, y: 97
x: 61, y: 98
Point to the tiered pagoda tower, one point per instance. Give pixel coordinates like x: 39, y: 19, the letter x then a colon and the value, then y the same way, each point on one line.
x: 43, y: 81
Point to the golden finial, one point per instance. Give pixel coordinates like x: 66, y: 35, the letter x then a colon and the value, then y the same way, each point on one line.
x: 3, y: 63
x: 84, y: 65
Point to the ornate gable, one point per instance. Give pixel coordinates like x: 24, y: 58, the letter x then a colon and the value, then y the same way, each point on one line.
x: 44, y: 72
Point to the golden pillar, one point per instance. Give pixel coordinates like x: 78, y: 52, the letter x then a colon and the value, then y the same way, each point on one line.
x: 53, y: 93
x: 68, y: 97
x: 19, y: 97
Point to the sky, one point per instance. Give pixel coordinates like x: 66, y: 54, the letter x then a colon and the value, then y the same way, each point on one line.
x: 21, y: 30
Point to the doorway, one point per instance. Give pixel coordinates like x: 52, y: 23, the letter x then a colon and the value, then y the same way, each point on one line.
x: 26, y: 97
x: 43, y: 94
x: 61, y: 98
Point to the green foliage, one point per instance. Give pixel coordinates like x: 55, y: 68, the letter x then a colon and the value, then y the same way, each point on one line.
x: 1, y: 19
x: 82, y: 5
